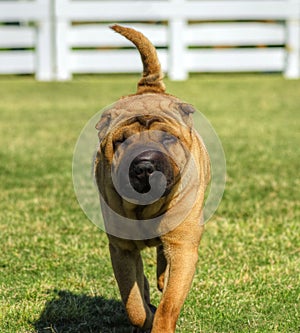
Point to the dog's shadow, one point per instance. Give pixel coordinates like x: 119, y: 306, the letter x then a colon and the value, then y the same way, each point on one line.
x: 71, y: 313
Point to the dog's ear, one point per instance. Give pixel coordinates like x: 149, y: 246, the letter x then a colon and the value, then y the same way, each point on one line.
x: 103, y: 125
x: 186, y: 110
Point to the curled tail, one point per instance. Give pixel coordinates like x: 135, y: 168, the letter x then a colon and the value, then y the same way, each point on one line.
x: 152, y: 73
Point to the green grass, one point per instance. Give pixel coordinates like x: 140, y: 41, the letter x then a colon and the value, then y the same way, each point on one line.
x: 55, y: 272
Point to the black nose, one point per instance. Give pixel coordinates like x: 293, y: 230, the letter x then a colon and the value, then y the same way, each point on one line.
x: 143, y: 168
x: 139, y: 174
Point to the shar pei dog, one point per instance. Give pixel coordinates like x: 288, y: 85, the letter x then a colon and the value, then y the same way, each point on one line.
x: 152, y: 170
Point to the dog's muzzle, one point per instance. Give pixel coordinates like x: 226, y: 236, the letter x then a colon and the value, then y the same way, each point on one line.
x: 147, y: 170
x: 144, y: 175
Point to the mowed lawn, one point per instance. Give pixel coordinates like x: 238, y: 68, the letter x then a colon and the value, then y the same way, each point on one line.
x: 55, y: 272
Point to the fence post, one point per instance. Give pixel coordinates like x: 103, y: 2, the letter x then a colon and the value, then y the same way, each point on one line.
x: 62, y: 51
x: 292, y: 69
x: 44, y: 46
x: 177, y: 69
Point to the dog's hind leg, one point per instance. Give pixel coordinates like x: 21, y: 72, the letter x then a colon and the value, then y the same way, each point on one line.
x: 161, y: 267
x: 147, y: 295
x: 128, y: 269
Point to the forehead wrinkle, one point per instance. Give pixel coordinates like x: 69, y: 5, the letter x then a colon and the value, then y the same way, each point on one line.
x: 166, y: 128
x: 126, y: 131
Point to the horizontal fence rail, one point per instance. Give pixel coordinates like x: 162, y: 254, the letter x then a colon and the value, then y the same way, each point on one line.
x: 56, y: 38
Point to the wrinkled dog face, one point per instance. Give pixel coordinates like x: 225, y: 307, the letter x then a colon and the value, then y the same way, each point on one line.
x: 146, y: 153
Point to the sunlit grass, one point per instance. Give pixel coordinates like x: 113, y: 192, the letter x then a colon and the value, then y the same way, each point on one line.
x: 55, y: 272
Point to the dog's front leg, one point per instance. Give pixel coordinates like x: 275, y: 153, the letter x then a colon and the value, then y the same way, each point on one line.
x: 181, y: 264
x: 128, y: 270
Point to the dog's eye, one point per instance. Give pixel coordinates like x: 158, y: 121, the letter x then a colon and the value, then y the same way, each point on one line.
x: 169, y: 139
x: 118, y: 142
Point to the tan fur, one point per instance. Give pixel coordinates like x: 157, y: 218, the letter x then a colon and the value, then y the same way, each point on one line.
x: 177, y: 250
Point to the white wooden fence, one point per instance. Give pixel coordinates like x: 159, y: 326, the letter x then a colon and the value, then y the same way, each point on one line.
x: 56, y: 38
x: 26, y: 48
